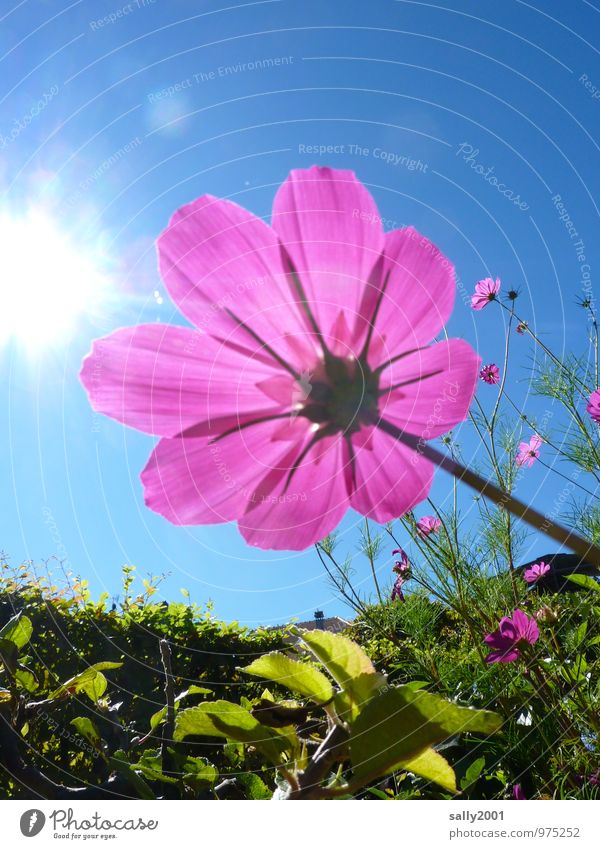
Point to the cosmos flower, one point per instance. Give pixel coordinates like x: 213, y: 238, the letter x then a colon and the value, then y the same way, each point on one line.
x: 490, y: 373
x: 310, y: 337
x: 529, y: 452
x: 535, y: 572
x: 517, y: 792
x: 401, y: 566
x: 428, y: 525
x: 593, y: 406
x: 485, y: 291
x: 511, y: 637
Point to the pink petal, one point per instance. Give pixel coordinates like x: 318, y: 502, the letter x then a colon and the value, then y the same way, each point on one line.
x: 163, y: 379
x: 418, y: 298
x: 198, y: 481
x: 331, y: 229
x: 430, y: 390
x: 295, y: 515
x: 390, y: 478
x: 503, y: 657
x: 222, y: 266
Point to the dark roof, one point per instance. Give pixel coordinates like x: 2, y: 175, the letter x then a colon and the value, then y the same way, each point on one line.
x: 331, y: 623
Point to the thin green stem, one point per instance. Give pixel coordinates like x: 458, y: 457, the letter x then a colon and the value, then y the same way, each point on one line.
x: 586, y: 550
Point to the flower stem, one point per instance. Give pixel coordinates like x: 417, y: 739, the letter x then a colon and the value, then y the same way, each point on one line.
x: 585, y: 549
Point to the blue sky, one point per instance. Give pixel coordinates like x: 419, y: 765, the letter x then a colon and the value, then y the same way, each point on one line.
x: 114, y: 114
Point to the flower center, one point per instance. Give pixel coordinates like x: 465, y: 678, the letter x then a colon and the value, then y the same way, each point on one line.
x: 342, y: 394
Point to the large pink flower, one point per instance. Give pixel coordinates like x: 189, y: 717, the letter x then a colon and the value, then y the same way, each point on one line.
x: 310, y: 335
x: 511, y: 637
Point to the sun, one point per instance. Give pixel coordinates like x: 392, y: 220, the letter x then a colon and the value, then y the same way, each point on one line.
x: 49, y: 280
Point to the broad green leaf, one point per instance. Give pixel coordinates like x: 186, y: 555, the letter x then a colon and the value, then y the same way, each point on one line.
x: 298, y: 677
x: 583, y: 581
x: 472, y: 773
x: 399, y: 724
x: 199, y: 773
x: 416, y: 685
x: 228, y: 720
x: 27, y: 680
x: 254, y: 786
x: 9, y: 655
x: 431, y: 765
x: 150, y: 765
x: 119, y: 764
x: 347, y: 663
x: 161, y: 714
x: 87, y: 729
x: 18, y: 630
x: 91, y: 682
x: 95, y: 687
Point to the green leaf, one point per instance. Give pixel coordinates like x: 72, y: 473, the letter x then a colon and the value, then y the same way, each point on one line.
x: 199, y: 773
x: 150, y: 765
x: 580, y: 633
x: 91, y: 682
x: 9, y: 655
x: 432, y: 766
x: 120, y: 765
x: 347, y: 663
x: 254, y: 786
x: 228, y: 720
x: 27, y: 680
x: 585, y: 581
x: 298, y: 677
x: 95, y: 687
x: 87, y: 729
x: 472, y: 773
x: 399, y: 724
x: 161, y: 714
x: 18, y: 630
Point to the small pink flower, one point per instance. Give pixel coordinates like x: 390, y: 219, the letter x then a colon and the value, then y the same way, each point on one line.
x: 521, y: 327
x: 485, y: 291
x: 310, y: 338
x: 511, y: 637
x: 397, y: 589
x: 535, y: 572
x: 517, y: 792
x: 401, y: 566
x: 490, y: 373
x: 529, y: 452
x: 593, y: 406
x: 428, y: 525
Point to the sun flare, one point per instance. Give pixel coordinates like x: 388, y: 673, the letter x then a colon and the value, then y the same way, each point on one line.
x: 49, y: 280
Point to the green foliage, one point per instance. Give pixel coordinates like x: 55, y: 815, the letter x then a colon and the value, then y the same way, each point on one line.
x: 295, y: 676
